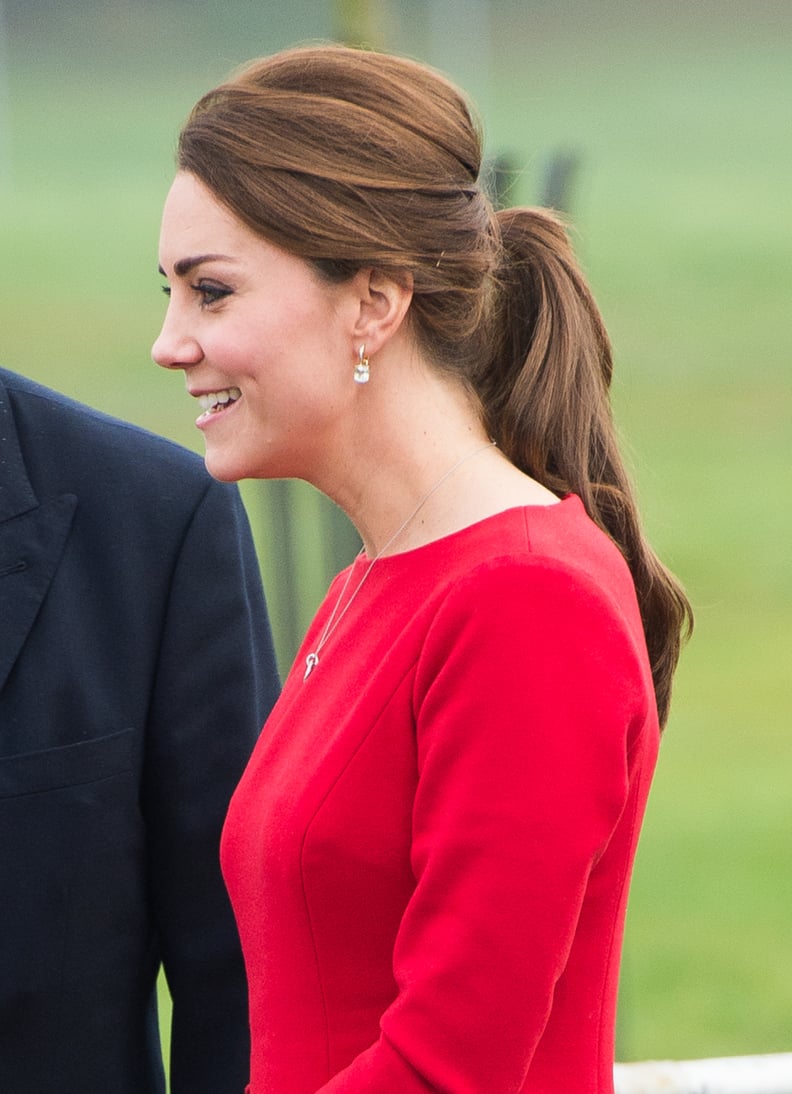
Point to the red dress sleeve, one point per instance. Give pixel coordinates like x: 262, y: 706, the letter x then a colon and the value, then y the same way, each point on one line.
x: 529, y: 692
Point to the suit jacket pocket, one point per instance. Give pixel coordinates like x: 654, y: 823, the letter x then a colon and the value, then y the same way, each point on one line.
x: 72, y: 877
x: 70, y: 765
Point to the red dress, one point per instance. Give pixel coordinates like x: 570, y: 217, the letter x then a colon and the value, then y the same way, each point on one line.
x: 429, y: 852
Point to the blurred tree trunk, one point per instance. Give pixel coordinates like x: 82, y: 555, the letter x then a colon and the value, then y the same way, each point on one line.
x: 358, y: 23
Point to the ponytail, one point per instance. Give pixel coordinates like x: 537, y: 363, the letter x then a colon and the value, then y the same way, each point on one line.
x: 546, y: 402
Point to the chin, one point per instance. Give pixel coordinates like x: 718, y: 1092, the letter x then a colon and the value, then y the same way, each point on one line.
x: 233, y: 464
x: 223, y: 470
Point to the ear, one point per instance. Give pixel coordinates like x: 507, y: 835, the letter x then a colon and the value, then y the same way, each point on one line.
x: 382, y: 303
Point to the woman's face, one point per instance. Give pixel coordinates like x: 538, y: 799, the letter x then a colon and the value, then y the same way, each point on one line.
x: 266, y: 345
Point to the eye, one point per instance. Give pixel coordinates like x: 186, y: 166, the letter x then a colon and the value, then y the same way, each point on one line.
x: 166, y: 289
x: 210, y: 292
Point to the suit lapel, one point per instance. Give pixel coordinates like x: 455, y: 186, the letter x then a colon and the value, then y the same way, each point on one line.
x: 32, y: 538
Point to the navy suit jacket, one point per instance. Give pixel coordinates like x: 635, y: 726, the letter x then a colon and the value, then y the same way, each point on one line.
x: 136, y: 668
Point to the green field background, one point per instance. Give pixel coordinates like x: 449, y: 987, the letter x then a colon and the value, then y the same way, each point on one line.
x: 680, y: 116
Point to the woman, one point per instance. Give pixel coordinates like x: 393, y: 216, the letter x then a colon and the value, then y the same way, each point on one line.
x: 429, y: 853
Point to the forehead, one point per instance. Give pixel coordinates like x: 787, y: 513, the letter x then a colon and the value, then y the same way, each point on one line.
x: 194, y: 219
x: 197, y: 229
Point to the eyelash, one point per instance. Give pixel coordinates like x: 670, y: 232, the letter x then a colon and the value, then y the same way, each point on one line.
x: 210, y: 294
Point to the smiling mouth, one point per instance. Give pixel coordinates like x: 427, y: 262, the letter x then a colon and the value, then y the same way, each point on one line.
x: 215, y: 402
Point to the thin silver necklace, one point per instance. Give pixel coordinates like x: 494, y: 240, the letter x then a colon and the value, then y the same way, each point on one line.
x: 312, y: 660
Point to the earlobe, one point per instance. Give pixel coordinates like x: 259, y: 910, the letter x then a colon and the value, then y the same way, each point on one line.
x: 384, y: 300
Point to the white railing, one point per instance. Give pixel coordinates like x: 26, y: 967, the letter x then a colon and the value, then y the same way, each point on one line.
x: 730, y: 1075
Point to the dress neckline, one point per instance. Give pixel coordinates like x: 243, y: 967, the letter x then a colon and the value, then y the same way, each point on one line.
x: 568, y: 503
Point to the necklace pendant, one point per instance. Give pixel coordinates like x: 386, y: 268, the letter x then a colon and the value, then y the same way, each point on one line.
x: 311, y: 661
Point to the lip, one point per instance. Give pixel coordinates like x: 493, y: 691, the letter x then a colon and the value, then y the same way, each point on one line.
x: 199, y: 392
x: 210, y: 418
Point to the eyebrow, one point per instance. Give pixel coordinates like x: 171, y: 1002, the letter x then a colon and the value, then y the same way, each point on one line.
x: 185, y: 265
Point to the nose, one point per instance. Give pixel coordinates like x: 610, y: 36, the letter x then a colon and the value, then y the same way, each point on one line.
x: 174, y: 347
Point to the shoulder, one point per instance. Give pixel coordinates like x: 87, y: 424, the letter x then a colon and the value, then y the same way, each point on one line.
x: 37, y: 409
x: 533, y: 635
x: 542, y: 558
x: 545, y: 588
x: 69, y: 446
x: 529, y: 600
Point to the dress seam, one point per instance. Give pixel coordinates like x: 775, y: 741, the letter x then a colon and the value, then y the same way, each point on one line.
x: 320, y: 805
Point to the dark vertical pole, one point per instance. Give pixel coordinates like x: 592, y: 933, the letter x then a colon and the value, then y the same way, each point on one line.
x: 283, y: 596
x: 556, y: 192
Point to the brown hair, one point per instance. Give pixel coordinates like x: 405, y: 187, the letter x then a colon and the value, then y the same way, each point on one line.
x: 350, y: 158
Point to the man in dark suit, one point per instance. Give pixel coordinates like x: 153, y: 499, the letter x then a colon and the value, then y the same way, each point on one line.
x: 136, y: 668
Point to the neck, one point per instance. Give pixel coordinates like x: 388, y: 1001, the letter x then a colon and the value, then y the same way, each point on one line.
x: 412, y: 457
x: 409, y: 458
x: 423, y: 532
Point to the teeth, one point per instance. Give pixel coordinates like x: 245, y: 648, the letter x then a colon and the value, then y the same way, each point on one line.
x: 215, y: 399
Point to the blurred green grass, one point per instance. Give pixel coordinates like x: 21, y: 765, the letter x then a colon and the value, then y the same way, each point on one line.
x: 681, y: 215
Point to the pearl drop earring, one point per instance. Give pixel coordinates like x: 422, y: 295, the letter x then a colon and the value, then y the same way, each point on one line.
x: 362, y: 370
